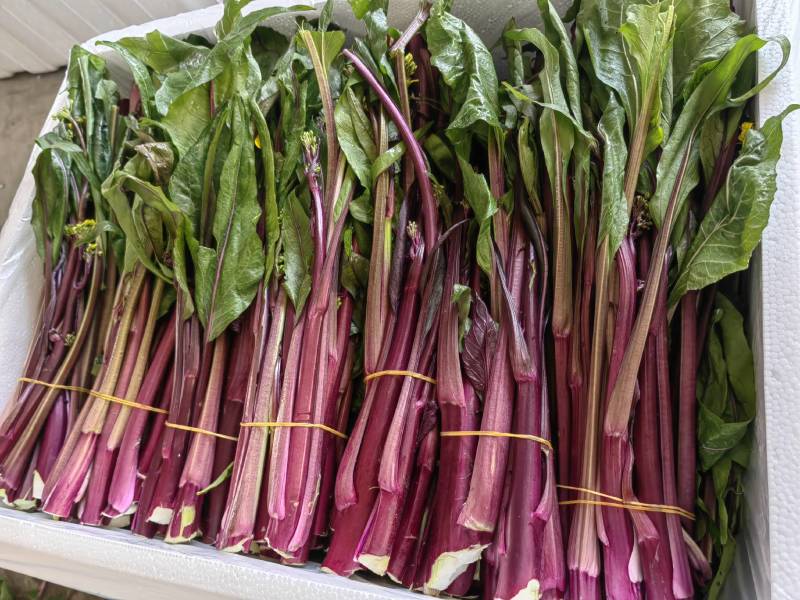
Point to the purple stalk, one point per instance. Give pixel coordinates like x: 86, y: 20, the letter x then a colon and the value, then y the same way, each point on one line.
x: 580, y: 358
x: 377, y: 300
x: 197, y: 471
x: 656, y: 560
x: 429, y: 211
x: 406, y: 553
x: 400, y: 448
x: 344, y: 393
x: 687, y: 407
x: 116, y: 419
x: 122, y: 491
x: 518, y: 567
x: 620, y: 561
x: 174, y: 441
x: 68, y: 478
x: 16, y: 448
x: 237, y: 377
x: 279, y: 447
x: 451, y: 548
x: 53, y: 437
x: 150, y: 466
x: 681, y: 576
x: 315, y: 396
x: 357, y: 477
x: 239, y: 521
x: 482, y: 507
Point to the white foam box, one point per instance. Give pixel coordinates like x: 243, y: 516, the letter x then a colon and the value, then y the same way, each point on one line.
x: 114, y: 563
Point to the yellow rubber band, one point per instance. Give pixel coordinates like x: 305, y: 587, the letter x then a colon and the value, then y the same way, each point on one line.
x: 617, y: 502
x: 518, y: 436
x: 202, y: 431
x: 400, y: 373
x: 95, y: 394
x: 271, y: 424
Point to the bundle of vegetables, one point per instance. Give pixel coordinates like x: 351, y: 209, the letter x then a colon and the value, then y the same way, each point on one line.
x: 482, y: 337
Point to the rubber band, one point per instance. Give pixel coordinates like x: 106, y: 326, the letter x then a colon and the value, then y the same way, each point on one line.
x: 202, y: 431
x: 617, y: 502
x: 95, y: 394
x: 517, y: 436
x: 400, y: 373
x: 270, y: 424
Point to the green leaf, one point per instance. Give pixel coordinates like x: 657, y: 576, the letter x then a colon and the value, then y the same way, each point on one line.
x: 268, y: 46
x: 227, y: 276
x: 558, y: 37
x: 328, y: 44
x: 84, y: 72
x: 483, y: 204
x: 163, y: 53
x: 298, y: 251
x: 354, y: 131
x: 441, y: 155
x: 467, y: 67
x: 221, y: 478
x: 705, y: 30
x: 362, y: 7
x: 56, y: 141
x: 713, y: 382
x: 395, y: 153
x: 188, y: 118
x: 293, y: 111
x: 738, y: 356
x: 711, y: 140
x: 723, y: 570
x: 614, y: 207
x: 680, y: 157
x: 361, y: 208
x: 325, y: 16
x: 115, y: 194
x: 721, y: 474
x: 387, y: 159
x: 462, y: 298
x: 141, y: 76
x: 159, y: 158
x: 227, y: 51
x: 355, y: 274
x: 106, y: 98
x: 629, y: 43
x: 186, y: 182
x: 732, y: 228
x: 557, y: 34
x: 271, y: 216
x: 716, y: 436
x: 49, y: 208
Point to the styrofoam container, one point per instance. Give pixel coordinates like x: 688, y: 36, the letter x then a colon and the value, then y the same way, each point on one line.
x: 116, y: 564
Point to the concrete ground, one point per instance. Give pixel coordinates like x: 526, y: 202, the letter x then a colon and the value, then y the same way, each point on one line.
x: 24, y: 103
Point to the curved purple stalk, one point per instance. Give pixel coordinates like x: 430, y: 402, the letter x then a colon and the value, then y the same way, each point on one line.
x: 429, y: 209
